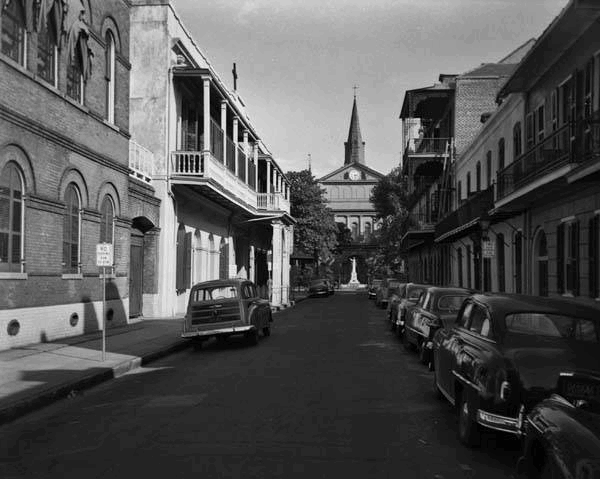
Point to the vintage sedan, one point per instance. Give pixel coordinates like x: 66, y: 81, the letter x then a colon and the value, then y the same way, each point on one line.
x: 561, y: 435
x: 222, y: 308
x: 437, y: 308
x: 373, y: 286
x: 387, y: 288
x: 401, y: 307
x: 506, y: 353
x: 320, y: 287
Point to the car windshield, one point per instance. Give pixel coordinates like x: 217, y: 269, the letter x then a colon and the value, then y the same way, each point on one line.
x: 553, y: 325
x: 414, y: 293
x: 451, y: 303
x: 214, y: 293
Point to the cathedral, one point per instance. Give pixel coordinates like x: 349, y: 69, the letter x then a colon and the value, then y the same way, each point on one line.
x: 348, y: 191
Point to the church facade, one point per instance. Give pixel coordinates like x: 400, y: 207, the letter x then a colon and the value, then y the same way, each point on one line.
x: 348, y: 191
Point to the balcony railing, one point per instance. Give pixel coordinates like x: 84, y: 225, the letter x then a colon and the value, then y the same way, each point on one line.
x: 141, y: 162
x: 216, y: 140
x: 436, y: 146
x: 230, y: 154
x: 241, y: 164
x: 272, y: 201
x: 587, y: 144
x: 193, y: 163
x: 420, y: 222
x: 552, y: 153
x: 476, y: 206
x: 252, y: 175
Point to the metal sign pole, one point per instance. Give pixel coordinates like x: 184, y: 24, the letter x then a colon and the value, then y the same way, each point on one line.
x: 103, y: 313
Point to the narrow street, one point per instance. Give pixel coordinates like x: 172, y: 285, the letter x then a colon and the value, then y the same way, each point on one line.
x: 332, y: 393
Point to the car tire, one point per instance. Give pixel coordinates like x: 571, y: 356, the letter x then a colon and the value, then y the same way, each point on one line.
x: 468, y: 429
x: 437, y: 393
x: 423, y: 354
x: 252, y: 337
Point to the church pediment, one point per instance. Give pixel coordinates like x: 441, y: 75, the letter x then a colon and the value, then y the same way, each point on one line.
x: 351, y: 173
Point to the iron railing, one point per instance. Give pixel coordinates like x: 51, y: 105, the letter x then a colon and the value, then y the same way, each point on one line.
x: 474, y: 207
x: 216, y: 140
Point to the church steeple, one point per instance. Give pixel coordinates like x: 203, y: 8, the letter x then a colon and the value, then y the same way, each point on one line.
x: 355, y: 146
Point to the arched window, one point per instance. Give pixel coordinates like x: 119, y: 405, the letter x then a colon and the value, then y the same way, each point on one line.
x: 354, y: 230
x: 501, y: 154
x: 75, y: 84
x: 72, y: 231
x: 107, y: 220
x: 11, y: 220
x: 110, y: 64
x: 79, y: 59
x: 478, y: 176
x: 488, y: 169
x: 368, y: 231
x: 517, y: 141
x: 14, y: 36
x: 468, y: 184
x: 47, y: 50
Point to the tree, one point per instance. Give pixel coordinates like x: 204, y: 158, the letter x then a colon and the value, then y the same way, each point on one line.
x: 315, y: 232
x: 389, y: 199
x: 343, y: 236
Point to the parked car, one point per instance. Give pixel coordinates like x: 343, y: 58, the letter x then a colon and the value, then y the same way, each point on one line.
x: 222, y: 308
x: 388, y: 287
x: 373, y: 286
x: 437, y: 308
x: 561, y: 435
x: 506, y: 353
x: 320, y: 287
x: 399, y: 307
x: 330, y: 286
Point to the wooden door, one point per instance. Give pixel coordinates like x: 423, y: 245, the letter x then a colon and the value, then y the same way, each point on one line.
x: 136, y: 273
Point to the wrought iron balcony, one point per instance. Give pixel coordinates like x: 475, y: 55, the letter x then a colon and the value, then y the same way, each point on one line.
x: 272, y: 202
x: 428, y: 146
x: 552, y: 153
x: 473, y: 208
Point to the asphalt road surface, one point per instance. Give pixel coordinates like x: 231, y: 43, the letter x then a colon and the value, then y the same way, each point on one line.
x: 332, y: 393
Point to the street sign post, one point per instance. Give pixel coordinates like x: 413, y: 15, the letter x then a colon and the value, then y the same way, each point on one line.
x: 104, y: 259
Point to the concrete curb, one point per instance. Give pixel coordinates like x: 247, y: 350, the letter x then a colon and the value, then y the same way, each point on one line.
x: 52, y: 394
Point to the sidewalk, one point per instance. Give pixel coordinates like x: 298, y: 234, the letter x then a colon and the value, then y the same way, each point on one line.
x: 35, y: 375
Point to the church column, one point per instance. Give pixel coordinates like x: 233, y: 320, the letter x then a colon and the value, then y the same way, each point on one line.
x: 276, y: 243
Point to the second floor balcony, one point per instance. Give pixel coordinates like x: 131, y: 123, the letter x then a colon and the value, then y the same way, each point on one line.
x: 466, y: 216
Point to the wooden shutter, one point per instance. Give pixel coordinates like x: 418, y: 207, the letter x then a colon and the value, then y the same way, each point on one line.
x: 575, y: 257
x: 187, y: 261
x: 180, y: 266
x: 560, y: 258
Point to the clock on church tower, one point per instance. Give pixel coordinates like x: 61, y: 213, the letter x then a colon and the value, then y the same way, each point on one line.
x: 354, y: 175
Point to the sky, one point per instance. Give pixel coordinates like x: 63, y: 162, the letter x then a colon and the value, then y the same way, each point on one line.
x: 298, y: 61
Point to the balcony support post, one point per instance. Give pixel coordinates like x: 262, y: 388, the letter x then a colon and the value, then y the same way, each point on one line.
x: 235, y: 144
x: 206, y: 122
x: 256, y: 165
x: 246, y: 152
x: 224, y: 128
x: 268, y: 178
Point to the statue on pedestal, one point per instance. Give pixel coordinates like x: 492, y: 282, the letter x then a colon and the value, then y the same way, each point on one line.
x: 353, y: 276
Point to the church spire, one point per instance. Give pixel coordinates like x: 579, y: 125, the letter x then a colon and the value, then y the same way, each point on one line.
x: 355, y: 147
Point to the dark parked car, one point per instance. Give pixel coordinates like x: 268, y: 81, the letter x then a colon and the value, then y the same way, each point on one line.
x: 320, y: 287
x: 506, y: 353
x: 562, y: 434
x: 437, y: 308
x: 398, y: 310
x: 222, y: 308
x: 373, y: 288
x: 387, y: 288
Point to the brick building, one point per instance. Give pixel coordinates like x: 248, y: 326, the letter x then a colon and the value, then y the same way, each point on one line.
x: 224, y: 200
x: 538, y: 154
x: 64, y: 177
x: 450, y: 114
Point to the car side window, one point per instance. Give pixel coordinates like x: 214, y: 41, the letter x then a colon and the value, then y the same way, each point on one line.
x: 463, y: 322
x: 247, y: 291
x: 480, y: 322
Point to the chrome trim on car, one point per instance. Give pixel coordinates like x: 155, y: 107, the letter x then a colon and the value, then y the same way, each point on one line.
x: 212, y: 332
x: 498, y: 422
x: 466, y: 381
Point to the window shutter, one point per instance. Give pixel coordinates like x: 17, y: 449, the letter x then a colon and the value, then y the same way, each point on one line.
x: 593, y: 256
x: 575, y: 256
x: 560, y: 258
x: 180, y: 269
x: 187, y: 279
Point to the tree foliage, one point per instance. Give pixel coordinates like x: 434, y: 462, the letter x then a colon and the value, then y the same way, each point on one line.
x: 316, y: 231
x: 389, y: 199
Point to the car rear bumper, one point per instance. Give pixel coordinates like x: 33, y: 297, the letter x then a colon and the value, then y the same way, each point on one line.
x: 217, y: 332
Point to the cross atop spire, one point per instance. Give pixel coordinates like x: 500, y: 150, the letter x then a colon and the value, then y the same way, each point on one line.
x: 355, y: 147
